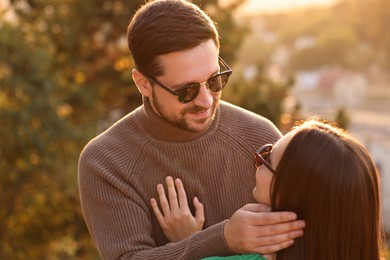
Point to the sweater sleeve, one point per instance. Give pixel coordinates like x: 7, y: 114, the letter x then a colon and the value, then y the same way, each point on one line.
x: 209, y: 241
x: 120, y: 221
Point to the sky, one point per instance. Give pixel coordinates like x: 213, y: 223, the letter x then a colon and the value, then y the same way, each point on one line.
x: 277, y: 5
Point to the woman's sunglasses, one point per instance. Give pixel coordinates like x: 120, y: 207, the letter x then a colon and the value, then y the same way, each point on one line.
x: 262, y: 156
x: 189, y: 92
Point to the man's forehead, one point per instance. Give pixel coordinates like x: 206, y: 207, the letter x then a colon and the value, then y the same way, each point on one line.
x: 196, y: 64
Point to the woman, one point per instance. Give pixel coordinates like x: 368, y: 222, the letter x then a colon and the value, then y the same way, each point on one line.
x: 329, y: 179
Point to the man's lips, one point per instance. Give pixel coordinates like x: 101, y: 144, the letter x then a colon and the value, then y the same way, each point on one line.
x: 199, y: 113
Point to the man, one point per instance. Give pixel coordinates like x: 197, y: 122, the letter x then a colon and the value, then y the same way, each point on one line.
x: 182, y: 130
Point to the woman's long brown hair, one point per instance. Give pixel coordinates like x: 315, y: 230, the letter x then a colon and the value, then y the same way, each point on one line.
x: 329, y: 179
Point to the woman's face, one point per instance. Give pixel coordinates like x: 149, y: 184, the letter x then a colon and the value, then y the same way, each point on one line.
x: 264, y: 176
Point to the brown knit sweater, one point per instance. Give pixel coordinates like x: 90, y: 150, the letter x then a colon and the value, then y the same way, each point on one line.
x: 119, y: 171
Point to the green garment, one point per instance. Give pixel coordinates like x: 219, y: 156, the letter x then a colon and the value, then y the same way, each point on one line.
x: 236, y: 257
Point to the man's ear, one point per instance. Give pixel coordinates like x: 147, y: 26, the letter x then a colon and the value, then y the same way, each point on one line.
x: 142, y: 83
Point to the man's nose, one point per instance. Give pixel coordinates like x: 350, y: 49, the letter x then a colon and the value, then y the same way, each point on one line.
x: 205, y: 97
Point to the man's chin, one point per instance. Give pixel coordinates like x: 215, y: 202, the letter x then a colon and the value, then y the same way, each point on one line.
x: 199, y: 125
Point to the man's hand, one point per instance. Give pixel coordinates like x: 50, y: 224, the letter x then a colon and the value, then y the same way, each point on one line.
x: 254, y: 229
x: 176, y: 219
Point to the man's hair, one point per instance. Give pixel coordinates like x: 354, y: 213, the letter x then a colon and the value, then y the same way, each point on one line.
x: 329, y: 179
x: 165, y: 26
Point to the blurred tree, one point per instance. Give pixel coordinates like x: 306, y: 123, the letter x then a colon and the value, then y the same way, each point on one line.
x: 332, y: 47
x: 290, y: 118
x: 38, y: 182
x: 373, y: 29
x: 65, y: 75
x: 231, y: 33
x: 335, y: 36
x: 291, y: 25
x: 261, y: 94
x: 342, y: 118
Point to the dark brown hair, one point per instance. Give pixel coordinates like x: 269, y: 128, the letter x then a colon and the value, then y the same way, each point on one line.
x: 165, y: 26
x: 329, y: 179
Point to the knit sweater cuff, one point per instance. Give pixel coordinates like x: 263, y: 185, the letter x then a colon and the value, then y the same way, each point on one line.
x: 214, y: 238
x: 228, y: 250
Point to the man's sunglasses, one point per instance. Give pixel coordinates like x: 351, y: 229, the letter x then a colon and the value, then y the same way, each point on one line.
x: 262, y: 156
x: 189, y: 92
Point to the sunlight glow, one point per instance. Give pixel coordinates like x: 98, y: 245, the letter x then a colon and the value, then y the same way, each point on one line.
x: 260, y: 6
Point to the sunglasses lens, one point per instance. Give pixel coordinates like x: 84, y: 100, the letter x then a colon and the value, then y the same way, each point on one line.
x: 263, y: 156
x: 189, y: 93
x: 217, y: 82
x: 258, y: 161
x: 266, y: 156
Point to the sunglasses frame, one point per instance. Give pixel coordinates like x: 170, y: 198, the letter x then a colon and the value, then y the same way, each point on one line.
x: 227, y: 72
x: 259, y: 155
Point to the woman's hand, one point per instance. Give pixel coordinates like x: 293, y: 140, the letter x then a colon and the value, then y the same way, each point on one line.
x: 176, y: 219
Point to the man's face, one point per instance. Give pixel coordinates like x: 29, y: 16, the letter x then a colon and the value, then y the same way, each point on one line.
x: 180, y: 68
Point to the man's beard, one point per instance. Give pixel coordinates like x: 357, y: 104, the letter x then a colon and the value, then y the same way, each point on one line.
x: 179, y: 121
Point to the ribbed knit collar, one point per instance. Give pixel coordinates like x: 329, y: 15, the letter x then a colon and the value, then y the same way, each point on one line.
x: 159, y: 128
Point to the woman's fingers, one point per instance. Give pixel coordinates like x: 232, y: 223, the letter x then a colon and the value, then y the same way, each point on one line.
x: 174, y: 215
x: 199, y: 211
x: 157, y: 212
x: 181, y: 194
x: 177, y: 198
x: 173, y: 202
x: 163, y: 200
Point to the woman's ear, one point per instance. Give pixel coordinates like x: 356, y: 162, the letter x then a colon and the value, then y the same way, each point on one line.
x: 142, y: 83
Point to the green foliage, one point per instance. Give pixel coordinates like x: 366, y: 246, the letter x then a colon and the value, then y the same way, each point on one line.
x: 349, y: 34
x: 262, y: 94
x: 60, y: 63
x: 333, y: 47
x: 370, y: 21
x: 38, y: 151
x: 231, y: 33
x: 342, y: 118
